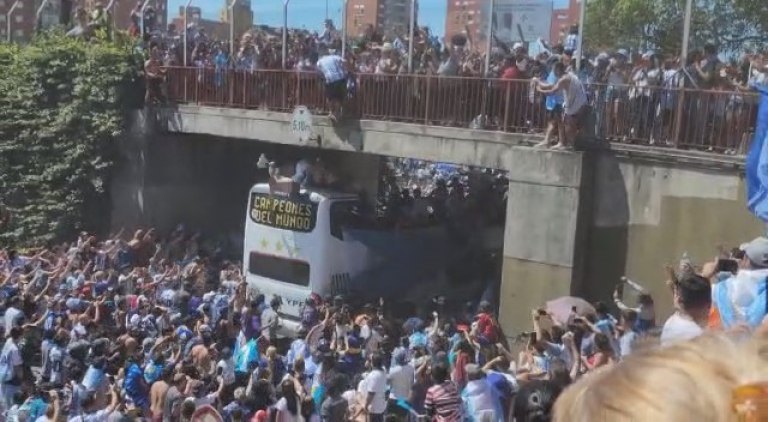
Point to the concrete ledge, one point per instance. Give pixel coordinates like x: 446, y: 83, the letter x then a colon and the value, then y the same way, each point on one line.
x: 456, y: 145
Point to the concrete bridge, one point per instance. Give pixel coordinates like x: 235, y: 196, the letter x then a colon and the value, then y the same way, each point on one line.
x: 576, y: 221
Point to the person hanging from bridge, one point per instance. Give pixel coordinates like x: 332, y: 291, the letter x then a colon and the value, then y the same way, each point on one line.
x: 334, y: 72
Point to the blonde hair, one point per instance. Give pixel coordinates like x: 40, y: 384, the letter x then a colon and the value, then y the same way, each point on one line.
x: 690, y: 380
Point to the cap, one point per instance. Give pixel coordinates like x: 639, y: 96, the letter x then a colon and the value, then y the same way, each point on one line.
x: 518, y: 45
x: 757, y: 251
x: 622, y: 52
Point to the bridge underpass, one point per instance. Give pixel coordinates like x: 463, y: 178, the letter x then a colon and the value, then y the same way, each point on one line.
x: 575, y: 222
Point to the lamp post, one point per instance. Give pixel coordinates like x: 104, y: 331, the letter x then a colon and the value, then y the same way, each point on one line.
x: 231, y: 27
x: 285, y: 31
x: 489, y: 40
x: 186, y: 12
x: 39, y: 13
x: 141, y: 19
x: 8, y: 19
x: 686, y: 31
x: 108, y: 11
x: 580, y: 41
x: 411, y: 28
x: 683, y: 64
x: 344, y: 30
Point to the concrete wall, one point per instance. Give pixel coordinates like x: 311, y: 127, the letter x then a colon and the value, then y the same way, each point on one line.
x: 648, y: 213
x: 542, y: 234
x: 576, y: 222
x: 453, y: 145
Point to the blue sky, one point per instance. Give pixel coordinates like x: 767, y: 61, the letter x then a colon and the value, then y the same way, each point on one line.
x: 311, y: 13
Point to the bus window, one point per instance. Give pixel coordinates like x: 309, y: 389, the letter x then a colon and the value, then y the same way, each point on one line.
x: 281, y: 269
x: 344, y: 214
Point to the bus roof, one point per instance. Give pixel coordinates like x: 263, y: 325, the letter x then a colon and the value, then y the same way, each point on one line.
x: 320, y: 194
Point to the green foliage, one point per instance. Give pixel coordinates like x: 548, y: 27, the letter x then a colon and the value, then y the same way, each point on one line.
x: 732, y: 25
x: 61, y: 113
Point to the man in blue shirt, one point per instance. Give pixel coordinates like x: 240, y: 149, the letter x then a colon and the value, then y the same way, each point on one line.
x: 334, y: 72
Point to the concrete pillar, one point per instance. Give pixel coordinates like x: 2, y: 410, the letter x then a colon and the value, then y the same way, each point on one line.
x: 541, y: 259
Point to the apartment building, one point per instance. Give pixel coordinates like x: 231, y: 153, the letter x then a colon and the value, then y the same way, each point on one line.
x: 388, y: 17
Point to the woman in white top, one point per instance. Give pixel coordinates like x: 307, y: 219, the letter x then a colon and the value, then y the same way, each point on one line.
x: 645, y: 76
x: 616, y: 78
x: 386, y: 65
x: 288, y: 408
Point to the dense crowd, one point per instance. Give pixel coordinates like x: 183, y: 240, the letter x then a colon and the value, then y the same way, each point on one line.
x: 157, y: 327
x: 417, y: 193
x: 633, y: 95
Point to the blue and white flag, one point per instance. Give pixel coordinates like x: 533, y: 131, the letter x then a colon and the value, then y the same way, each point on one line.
x: 757, y: 161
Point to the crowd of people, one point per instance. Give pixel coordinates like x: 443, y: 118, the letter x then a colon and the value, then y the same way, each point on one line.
x: 634, y: 95
x: 156, y: 327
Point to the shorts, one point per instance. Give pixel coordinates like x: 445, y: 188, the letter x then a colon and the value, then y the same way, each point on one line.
x: 394, y: 409
x: 336, y: 91
x: 576, y: 119
x: 555, y: 113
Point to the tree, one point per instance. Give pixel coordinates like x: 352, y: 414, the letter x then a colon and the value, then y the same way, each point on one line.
x: 658, y: 24
x: 61, y: 113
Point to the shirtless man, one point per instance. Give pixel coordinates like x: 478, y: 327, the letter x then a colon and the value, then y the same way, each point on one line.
x: 157, y: 394
x: 201, y: 358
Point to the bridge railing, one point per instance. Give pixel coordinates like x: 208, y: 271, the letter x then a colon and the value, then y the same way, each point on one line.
x: 719, y: 120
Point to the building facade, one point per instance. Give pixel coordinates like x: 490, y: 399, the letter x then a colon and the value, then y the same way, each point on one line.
x: 387, y: 17
x: 470, y: 18
x: 122, y: 9
x: 22, y: 20
x: 242, y: 15
x: 562, y: 19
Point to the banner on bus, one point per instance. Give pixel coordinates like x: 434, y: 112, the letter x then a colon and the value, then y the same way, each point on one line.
x: 295, y: 214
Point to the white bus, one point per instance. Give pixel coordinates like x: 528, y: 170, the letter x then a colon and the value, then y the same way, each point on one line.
x: 316, y: 241
x: 291, y: 248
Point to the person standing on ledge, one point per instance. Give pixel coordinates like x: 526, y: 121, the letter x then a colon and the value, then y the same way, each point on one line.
x: 574, y: 104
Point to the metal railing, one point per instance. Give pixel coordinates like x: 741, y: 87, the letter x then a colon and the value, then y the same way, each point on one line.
x: 718, y: 121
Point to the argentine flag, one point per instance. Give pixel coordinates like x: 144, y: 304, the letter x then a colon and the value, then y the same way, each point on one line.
x: 757, y: 161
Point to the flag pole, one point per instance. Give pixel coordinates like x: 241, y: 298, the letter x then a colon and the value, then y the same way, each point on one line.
x: 411, y: 29
x: 489, y: 37
x: 580, y: 41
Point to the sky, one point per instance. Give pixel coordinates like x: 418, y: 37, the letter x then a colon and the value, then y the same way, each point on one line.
x: 310, y: 14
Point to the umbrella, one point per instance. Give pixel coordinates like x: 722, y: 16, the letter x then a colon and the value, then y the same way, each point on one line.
x: 561, y: 307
